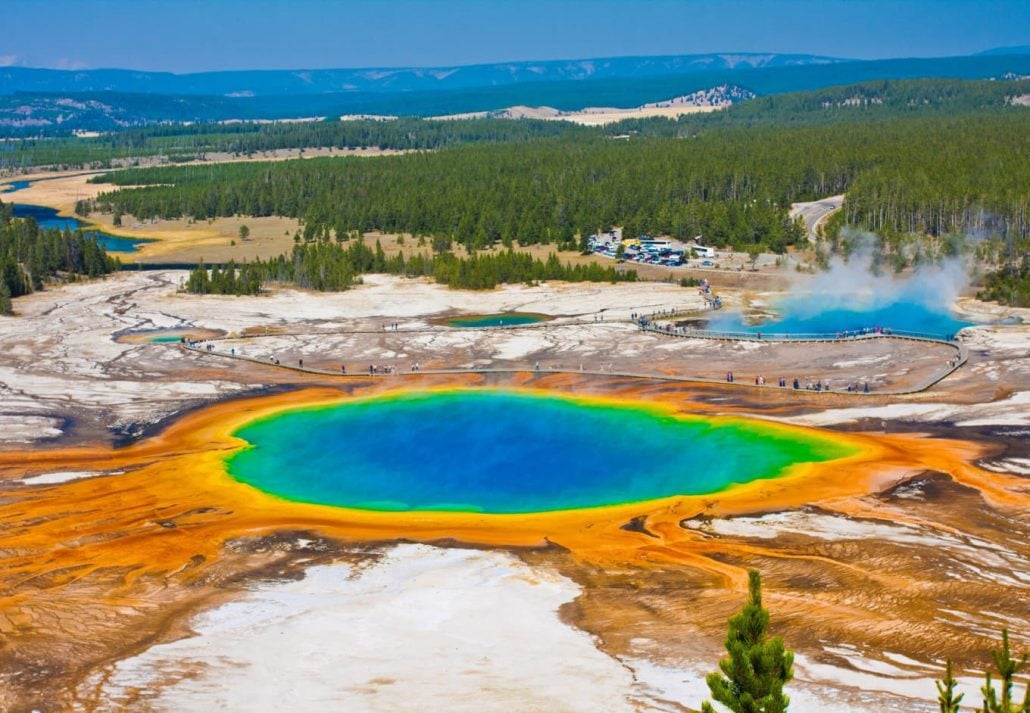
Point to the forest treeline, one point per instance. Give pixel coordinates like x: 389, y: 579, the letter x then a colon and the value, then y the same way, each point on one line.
x: 328, y: 267
x: 179, y: 142
x: 852, y: 103
x: 30, y: 256
x: 929, y: 175
x: 546, y: 191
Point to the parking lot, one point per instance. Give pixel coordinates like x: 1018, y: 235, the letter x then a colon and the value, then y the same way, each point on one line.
x: 646, y: 250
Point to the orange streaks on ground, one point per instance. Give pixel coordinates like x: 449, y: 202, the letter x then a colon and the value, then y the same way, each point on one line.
x: 174, y: 508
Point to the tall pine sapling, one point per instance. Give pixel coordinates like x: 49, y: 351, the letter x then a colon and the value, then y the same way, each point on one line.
x: 949, y: 702
x: 754, y: 673
x: 1007, y: 667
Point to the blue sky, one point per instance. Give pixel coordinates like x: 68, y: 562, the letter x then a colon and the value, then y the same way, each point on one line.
x: 199, y: 35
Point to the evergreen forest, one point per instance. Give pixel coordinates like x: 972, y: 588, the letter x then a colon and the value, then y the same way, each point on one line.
x: 930, y: 175
x: 179, y: 142
x: 30, y: 257
x: 328, y: 266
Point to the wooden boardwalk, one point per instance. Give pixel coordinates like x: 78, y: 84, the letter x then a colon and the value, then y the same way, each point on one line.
x: 960, y: 358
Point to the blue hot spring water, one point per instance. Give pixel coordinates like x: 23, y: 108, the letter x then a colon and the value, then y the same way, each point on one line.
x: 508, y: 319
x: 508, y: 452
x: 905, y: 311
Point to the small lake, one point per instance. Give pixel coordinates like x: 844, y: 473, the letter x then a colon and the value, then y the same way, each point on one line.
x: 48, y: 218
x: 14, y: 186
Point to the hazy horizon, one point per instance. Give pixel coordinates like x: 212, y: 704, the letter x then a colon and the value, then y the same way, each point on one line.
x: 189, y: 36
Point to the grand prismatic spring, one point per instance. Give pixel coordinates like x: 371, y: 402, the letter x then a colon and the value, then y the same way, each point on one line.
x: 450, y: 461
x: 506, y: 452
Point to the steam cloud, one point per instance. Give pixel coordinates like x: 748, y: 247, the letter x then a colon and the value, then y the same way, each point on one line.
x: 855, y: 294
x: 856, y: 284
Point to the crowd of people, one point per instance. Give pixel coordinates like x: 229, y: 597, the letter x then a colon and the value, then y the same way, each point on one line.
x: 712, y: 301
x: 388, y: 369
x: 649, y: 323
x: 809, y: 384
x: 865, y: 331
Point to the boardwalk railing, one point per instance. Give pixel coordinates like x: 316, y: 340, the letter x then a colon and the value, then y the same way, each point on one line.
x: 764, y: 336
x: 207, y: 347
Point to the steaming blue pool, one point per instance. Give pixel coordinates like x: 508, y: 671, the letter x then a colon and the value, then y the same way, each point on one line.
x: 48, y: 218
x: 804, y: 316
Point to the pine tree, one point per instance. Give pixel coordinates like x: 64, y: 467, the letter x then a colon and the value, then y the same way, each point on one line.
x: 1007, y: 667
x: 946, y: 697
x: 5, y: 299
x: 754, y: 673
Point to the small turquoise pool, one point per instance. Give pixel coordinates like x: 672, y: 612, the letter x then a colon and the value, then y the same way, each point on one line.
x: 503, y: 319
x: 167, y: 336
x: 497, y: 451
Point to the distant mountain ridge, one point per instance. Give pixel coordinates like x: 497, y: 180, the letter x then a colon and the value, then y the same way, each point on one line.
x: 252, y: 83
x: 999, y: 51
x: 25, y: 114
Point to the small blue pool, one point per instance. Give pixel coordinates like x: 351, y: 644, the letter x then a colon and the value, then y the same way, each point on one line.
x: 502, y: 319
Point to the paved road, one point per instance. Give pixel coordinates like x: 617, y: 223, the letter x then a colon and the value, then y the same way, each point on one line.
x: 815, y: 212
